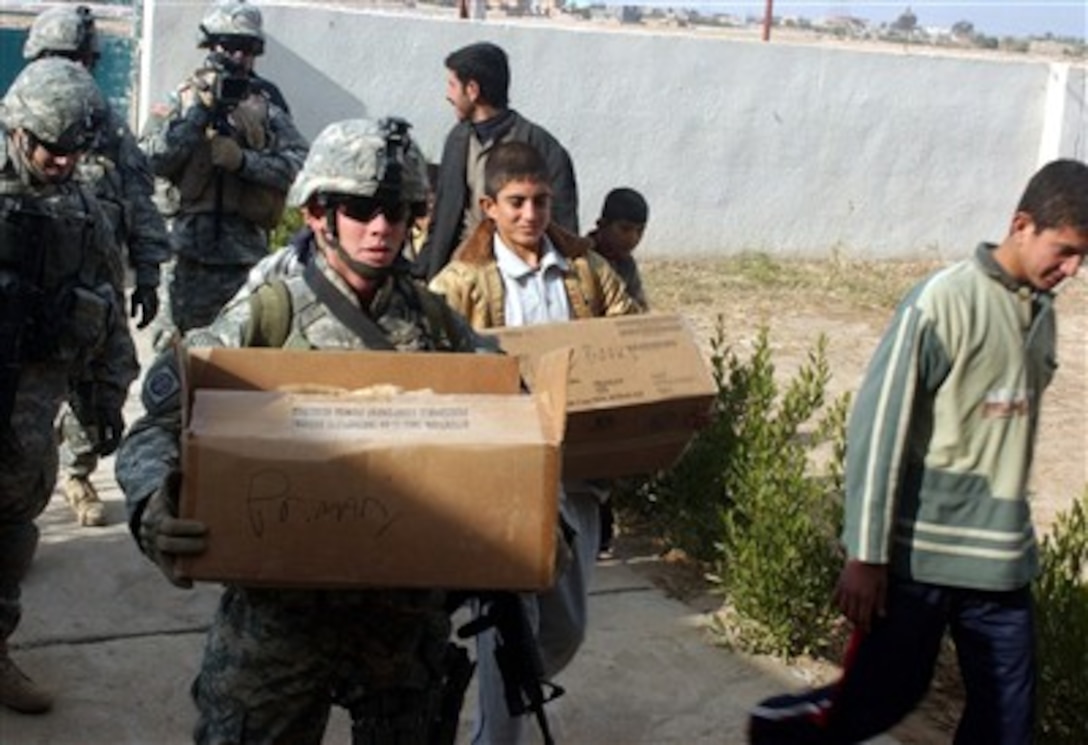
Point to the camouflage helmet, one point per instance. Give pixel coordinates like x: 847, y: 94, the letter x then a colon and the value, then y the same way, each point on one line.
x: 229, y: 19
x: 66, y: 31
x: 360, y: 157
x: 58, y: 102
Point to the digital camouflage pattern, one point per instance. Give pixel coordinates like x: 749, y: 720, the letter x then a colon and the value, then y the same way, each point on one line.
x: 179, y: 144
x: 231, y: 18
x: 65, y: 29
x: 77, y: 327
x: 58, y: 101
x: 117, y: 172
x: 351, y: 157
x: 370, y: 651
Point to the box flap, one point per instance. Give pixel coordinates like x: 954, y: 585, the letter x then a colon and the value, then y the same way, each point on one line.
x: 269, y: 369
x: 259, y: 369
x: 552, y: 373
x: 617, y: 361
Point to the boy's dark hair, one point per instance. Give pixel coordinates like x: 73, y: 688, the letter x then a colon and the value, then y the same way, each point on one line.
x: 485, y: 63
x: 513, y: 161
x: 1057, y: 196
x: 625, y: 204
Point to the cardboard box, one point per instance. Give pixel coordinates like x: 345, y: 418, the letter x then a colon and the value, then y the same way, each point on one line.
x: 637, y: 386
x: 451, y: 487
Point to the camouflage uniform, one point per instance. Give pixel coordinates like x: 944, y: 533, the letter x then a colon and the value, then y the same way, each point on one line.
x: 225, y: 211
x: 118, y: 173
x: 276, y: 659
x: 69, y: 314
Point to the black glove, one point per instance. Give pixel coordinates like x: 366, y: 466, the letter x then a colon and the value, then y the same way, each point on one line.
x: 164, y: 536
x: 145, y: 302
x: 110, y: 426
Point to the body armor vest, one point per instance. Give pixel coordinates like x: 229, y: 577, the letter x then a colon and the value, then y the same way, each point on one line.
x: 203, y: 188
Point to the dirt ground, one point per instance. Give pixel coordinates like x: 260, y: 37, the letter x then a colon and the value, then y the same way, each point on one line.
x: 850, y: 303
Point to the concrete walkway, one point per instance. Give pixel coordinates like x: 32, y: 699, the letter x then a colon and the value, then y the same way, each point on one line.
x: 119, y: 646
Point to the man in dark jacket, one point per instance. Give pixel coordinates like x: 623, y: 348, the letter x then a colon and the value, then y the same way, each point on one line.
x: 477, y: 87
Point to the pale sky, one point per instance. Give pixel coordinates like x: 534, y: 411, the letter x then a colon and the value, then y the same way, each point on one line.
x: 991, y: 17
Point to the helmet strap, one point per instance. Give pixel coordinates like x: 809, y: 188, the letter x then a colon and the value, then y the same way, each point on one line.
x: 330, y: 236
x: 25, y: 145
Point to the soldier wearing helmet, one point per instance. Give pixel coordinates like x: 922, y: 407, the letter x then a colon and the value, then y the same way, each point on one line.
x: 61, y: 317
x: 118, y: 173
x: 335, y: 177
x: 228, y: 146
x: 357, y: 190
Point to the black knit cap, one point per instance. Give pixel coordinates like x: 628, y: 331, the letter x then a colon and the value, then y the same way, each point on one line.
x: 625, y: 204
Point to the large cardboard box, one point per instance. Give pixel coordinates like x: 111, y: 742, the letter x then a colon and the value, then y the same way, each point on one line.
x: 638, y: 386
x: 448, y: 481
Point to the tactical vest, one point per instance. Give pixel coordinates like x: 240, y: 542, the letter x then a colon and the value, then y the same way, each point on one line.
x: 283, y: 312
x: 54, y: 306
x: 102, y: 176
x: 203, y: 188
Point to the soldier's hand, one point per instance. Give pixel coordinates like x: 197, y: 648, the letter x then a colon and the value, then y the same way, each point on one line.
x: 164, y: 536
x: 199, y: 89
x: 145, y: 303
x: 111, y: 425
x: 227, y: 153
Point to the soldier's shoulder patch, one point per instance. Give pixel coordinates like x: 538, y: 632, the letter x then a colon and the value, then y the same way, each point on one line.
x: 162, y: 384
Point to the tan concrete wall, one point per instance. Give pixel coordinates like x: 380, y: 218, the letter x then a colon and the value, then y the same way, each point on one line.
x: 737, y: 145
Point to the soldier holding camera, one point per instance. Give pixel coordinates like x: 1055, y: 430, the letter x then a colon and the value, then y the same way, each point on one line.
x: 228, y: 146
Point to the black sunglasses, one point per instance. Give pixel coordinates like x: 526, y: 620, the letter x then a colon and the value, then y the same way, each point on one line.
x: 365, y: 209
x: 243, y: 45
x: 57, y: 150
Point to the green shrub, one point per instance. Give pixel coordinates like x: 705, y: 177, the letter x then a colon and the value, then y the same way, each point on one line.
x: 747, y: 499
x: 780, y: 554
x: 289, y: 225
x: 685, y: 505
x: 1061, y: 602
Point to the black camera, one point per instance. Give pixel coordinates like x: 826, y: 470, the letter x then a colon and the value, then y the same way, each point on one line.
x: 232, y: 85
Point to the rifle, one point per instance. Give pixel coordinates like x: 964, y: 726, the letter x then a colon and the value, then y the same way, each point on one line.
x: 518, y: 656
x: 22, y: 262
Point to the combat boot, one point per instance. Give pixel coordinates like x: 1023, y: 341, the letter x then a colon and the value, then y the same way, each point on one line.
x: 19, y: 692
x: 84, y: 501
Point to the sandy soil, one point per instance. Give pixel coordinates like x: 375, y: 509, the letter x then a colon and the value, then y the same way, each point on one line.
x: 796, y: 313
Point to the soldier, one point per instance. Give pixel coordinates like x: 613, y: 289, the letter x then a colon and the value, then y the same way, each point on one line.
x: 276, y: 660
x: 61, y: 315
x: 228, y: 145
x: 117, y: 171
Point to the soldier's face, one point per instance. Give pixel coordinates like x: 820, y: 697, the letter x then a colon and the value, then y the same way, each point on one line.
x: 242, y: 54
x: 48, y: 162
x: 368, y: 230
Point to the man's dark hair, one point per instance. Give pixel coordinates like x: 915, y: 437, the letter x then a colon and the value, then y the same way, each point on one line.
x: 1057, y: 196
x: 625, y: 204
x: 485, y: 63
x: 513, y: 161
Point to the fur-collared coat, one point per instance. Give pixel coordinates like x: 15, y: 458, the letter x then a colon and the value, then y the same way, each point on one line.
x: 472, y: 283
